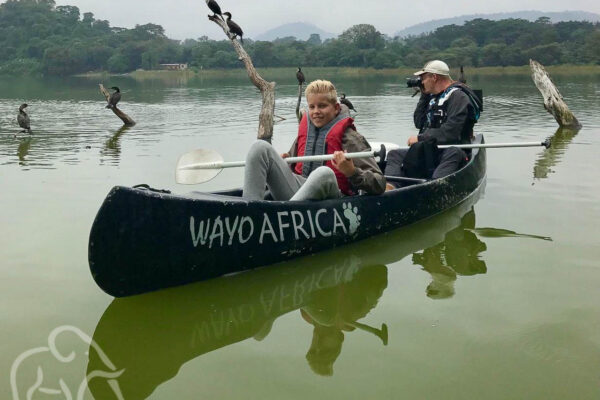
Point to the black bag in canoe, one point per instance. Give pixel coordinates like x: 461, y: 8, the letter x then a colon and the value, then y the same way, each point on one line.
x: 421, y: 159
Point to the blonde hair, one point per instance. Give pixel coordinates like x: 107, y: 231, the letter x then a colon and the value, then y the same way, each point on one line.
x: 322, y: 87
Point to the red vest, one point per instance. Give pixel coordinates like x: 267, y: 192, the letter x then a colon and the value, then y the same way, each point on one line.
x: 333, y: 142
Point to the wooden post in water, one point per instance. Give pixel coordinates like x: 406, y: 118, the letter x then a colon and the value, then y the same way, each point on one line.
x: 298, y: 111
x: 267, y: 89
x: 124, y: 117
x: 553, y: 101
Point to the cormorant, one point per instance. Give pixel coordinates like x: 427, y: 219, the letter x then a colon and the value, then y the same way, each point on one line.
x: 347, y: 102
x: 461, y: 77
x: 233, y: 27
x: 300, y: 76
x: 114, y: 97
x: 214, y: 7
x: 23, y: 119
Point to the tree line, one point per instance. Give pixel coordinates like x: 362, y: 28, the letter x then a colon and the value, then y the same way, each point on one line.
x: 38, y: 37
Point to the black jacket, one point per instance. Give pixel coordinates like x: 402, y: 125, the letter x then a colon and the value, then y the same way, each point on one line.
x: 459, y: 113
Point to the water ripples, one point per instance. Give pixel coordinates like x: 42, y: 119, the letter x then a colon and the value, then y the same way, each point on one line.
x: 67, y: 131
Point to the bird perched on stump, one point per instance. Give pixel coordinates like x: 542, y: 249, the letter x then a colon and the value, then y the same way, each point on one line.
x: 114, y: 98
x: 461, y: 77
x: 347, y: 102
x: 300, y: 76
x: 233, y: 27
x: 214, y: 7
x: 23, y: 119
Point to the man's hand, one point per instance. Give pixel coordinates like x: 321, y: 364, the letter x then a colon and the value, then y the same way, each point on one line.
x: 343, y: 164
x: 412, y: 140
x: 285, y: 155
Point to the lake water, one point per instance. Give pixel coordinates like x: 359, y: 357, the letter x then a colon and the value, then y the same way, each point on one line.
x: 493, y: 300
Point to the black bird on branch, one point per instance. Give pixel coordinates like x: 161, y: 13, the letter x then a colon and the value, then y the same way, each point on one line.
x: 23, y: 119
x: 214, y: 7
x: 300, y: 76
x: 347, y: 102
x: 461, y: 77
x: 114, y: 98
x: 234, y: 28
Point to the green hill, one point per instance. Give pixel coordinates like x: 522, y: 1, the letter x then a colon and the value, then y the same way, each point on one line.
x: 38, y: 37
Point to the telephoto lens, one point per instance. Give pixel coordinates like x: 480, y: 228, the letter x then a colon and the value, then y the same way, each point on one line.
x: 414, y: 82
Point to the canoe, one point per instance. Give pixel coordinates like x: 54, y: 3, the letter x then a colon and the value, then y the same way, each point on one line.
x: 160, y: 332
x: 144, y: 240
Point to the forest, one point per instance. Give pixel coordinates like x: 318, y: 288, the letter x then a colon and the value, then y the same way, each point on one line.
x: 39, y: 38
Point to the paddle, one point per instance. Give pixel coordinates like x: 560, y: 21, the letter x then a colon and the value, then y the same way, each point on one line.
x: 546, y: 143
x: 202, y: 165
x: 392, y: 146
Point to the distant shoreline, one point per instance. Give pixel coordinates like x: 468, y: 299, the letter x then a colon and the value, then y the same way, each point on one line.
x: 278, y: 72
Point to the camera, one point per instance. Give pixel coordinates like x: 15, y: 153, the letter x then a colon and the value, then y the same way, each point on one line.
x: 414, y: 82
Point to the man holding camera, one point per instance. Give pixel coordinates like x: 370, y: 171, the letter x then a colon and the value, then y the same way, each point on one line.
x: 445, y: 114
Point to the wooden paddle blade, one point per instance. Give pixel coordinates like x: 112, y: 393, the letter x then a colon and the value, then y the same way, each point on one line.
x: 194, y: 176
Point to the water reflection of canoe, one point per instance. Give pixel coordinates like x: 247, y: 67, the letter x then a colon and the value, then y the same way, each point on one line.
x: 142, y: 240
x: 150, y: 337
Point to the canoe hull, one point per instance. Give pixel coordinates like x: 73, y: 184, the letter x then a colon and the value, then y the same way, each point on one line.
x: 143, y: 240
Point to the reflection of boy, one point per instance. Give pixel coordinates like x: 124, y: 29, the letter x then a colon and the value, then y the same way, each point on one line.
x: 325, y: 347
x: 335, y: 310
x: 328, y: 129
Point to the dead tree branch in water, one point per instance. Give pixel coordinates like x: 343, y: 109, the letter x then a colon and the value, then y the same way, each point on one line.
x: 267, y: 89
x: 124, y: 117
x: 553, y: 101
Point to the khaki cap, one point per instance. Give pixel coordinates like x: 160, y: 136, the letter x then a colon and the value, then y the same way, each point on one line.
x: 435, y: 67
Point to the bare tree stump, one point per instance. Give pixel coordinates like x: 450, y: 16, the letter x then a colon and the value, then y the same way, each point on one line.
x: 124, y: 117
x: 267, y: 89
x: 553, y: 101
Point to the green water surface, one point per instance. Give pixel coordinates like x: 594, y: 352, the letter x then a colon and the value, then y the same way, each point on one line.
x: 496, y: 299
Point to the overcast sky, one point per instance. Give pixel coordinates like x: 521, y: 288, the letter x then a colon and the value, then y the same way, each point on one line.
x: 187, y: 18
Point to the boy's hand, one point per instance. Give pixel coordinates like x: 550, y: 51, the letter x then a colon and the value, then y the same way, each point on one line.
x: 343, y: 164
x: 285, y: 155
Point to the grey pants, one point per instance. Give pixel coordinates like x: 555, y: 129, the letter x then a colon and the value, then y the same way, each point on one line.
x: 266, y: 168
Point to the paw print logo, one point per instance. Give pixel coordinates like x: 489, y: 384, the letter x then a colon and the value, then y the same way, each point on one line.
x: 352, y: 216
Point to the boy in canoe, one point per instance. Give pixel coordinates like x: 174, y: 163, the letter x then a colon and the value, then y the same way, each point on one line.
x: 325, y: 129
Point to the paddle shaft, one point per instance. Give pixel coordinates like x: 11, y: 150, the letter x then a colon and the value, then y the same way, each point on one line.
x: 364, y: 154
x: 496, y: 145
x: 289, y: 160
x: 546, y: 143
